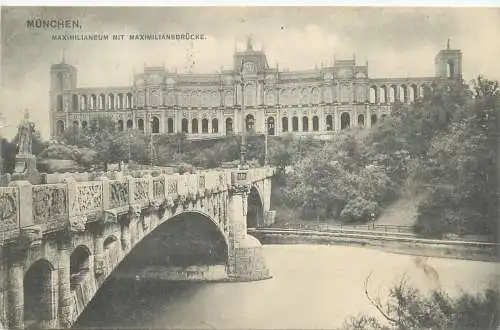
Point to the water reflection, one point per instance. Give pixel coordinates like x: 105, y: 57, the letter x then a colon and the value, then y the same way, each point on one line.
x: 313, y: 286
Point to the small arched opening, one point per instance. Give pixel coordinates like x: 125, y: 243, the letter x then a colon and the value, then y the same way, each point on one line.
x: 194, y: 126
x: 249, y: 123
x: 40, y: 300
x: 315, y: 123
x: 255, y: 210
x: 450, y: 69
x: 373, y: 94
x: 130, y: 124
x: 270, y: 126
x: 75, y: 102
x: 170, y: 125
x: 79, y: 266
x: 60, y: 127
x: 155, y: 125
x: 204, y: 126
x: 215, y: 125
x: 120, y: 125
x: 374, y: 119
x: 284, y: 124
x: 295, y: 124
x: 305, y: 124
x: 345, y: 120
x: 185, y: 125
x: 229, y: 126
x: 361, y: 120
x: 329, y: 123
x: 140, y: 124
x: 383, y: 94
x: 111, y: 250
x: 60, y: 103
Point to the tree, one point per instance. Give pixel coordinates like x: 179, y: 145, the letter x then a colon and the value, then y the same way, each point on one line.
x: 407, y: 308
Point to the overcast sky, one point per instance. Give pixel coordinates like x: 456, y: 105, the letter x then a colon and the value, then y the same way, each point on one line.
x: 395, y: 41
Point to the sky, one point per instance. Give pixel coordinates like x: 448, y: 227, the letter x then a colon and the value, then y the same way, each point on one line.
x: 396, y: 42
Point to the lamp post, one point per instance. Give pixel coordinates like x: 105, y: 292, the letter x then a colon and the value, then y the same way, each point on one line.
x: 243, y: 146
x: 266, y: 132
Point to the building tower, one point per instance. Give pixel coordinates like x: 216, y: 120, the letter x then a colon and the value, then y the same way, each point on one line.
x: 62, y: 83
x: 449, y: 63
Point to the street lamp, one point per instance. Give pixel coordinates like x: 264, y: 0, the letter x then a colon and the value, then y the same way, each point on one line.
x: 242, y: 118
x: 266, y: 133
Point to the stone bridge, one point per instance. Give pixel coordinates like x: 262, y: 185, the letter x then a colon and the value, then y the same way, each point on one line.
x: 59, y: 242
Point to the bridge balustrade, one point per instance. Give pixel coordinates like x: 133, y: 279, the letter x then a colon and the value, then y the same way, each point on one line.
x: 40, y: 209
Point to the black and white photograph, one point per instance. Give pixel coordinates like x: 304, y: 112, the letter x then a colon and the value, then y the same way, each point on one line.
x: 249, y: 167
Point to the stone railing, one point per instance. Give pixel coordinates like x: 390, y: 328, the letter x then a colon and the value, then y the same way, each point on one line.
x: 52, y: 207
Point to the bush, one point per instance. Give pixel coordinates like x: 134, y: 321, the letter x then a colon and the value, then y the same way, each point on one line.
x: 359, y: 210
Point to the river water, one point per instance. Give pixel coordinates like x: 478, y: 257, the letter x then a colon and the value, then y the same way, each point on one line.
x: 313, y: 286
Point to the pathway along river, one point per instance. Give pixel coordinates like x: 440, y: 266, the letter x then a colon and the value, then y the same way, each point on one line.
x: 314, y: 286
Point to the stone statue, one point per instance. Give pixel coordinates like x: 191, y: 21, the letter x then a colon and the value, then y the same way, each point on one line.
x: 25, y: 131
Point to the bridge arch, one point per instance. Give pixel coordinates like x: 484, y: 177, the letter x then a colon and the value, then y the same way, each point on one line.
x: 189, y: 238
x: 79, y: 265
x: 40, y: 294
x: 255, y: 209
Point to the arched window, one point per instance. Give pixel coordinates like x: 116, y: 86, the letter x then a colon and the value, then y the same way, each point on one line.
x: 270, y: 126
x: 129, y: 101
x: 383, y: 94
x: 204, y: 125
x: 120, y: 101
x: 120, y: 125
x: 361, y: 120
x: 79, y: 265
x: 373, y: 94
x: 194, y: 126
x: 229, y: 126
x: 284, y: 124
x: 83, y: 103
x: 111, y: 101
x: 315, y: 123
x: 374, y: 119
x: 249, y: 122
x: 75, y: 102
x: 102, y: 101
x: 450, y: 69
x: 215, y: 125
x: 170, y: 125
x: 295, y: 124
x: 59, y: 103
x: 403, y: 94
x: 185, y: 125
x: 93, y: 102
x: 329, y: 123
x: 84, y: 124
x: 75, y: 124
x: 60, y: 81
x: 140, y: 124
x: 305, y: 124
x: 155, y: 125
x: 392, y: 94
x: 60, y: 127
x: 345, y: 120
x: 130, y: 124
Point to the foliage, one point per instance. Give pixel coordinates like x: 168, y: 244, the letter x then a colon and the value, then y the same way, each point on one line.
x: 407, y: 308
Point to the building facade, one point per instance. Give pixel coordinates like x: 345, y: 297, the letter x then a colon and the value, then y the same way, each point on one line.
x: 252, y: 96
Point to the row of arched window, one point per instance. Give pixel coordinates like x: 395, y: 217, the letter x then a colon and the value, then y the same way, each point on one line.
x: 206, y: 126
x: 394, y: 93
x: 287, y: 96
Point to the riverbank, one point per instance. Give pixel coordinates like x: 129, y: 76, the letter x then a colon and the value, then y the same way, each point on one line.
x: 465, y: 250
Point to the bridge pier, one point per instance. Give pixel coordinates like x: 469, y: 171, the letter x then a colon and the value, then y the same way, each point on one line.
x: 246, y: 259
x: 64, y: 274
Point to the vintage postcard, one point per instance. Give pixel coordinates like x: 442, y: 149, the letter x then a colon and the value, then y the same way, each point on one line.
x: 246, y: 167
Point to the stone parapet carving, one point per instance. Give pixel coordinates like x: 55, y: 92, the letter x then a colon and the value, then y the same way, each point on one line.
x: 77, y: 224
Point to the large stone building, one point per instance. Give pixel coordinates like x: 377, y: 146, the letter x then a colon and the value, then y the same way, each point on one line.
x: 313, y: 102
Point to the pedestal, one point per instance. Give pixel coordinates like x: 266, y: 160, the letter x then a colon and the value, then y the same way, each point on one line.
x: 25, y: 169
